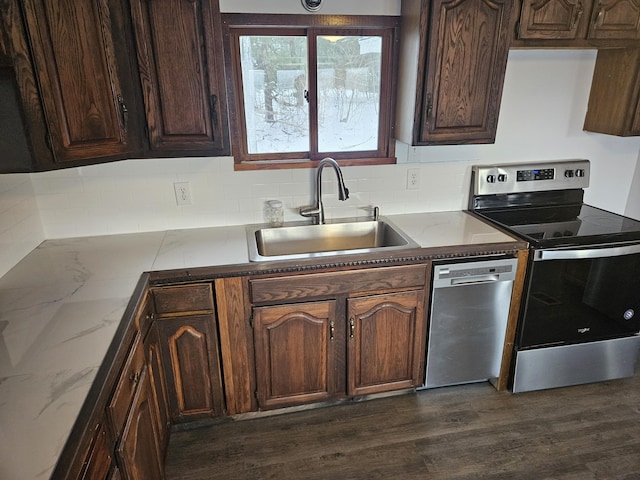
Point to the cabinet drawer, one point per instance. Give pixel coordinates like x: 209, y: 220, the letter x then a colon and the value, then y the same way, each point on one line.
x: 183, y: 298
x: 125, y: 388
x: 335, y: 283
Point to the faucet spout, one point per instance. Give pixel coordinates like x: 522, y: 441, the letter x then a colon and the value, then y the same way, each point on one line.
x: 316, y: 211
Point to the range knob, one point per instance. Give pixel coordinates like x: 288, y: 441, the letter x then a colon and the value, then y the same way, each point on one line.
x: 568, y: 173
x: 491, y: 179
x: 502, y: 177
x: 579, y: 172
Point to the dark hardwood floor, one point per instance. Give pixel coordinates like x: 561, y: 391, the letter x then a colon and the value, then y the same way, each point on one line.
x: 464, y: 432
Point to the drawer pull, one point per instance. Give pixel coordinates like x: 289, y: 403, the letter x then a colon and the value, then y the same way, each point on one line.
x: 135, y: 377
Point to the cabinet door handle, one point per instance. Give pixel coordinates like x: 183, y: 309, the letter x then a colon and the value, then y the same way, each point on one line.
x: 214, y: 110
x: 124, y: 112
x: 576, y: 17
x: 352, y: 327
x: 135, y: 377
x: 597, y: 20
x: 332, y: 330
x: 429, y: 104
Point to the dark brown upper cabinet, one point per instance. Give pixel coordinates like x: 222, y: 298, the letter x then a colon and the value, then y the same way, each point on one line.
x: 181, y: 71
x: 455, y: 51
x: 614, y: 101
x: 23, y: 133
x: 79, y: 50
x: 597, y: 23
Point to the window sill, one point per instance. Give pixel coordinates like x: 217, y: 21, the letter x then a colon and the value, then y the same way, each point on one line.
x: 306, y: 163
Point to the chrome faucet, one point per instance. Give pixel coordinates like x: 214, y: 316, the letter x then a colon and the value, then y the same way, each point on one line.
x: 316, y: 211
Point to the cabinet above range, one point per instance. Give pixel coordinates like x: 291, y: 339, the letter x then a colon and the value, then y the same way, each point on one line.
x: 452, y: 64
x: 453, y: 58
x: 577, y: 23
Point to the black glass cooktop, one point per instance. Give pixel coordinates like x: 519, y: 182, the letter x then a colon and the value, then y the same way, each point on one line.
x: 573, y: 225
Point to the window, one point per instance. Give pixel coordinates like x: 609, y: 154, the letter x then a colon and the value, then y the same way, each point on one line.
x: 305, y: 92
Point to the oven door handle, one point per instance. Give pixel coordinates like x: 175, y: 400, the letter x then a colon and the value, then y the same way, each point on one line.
x: 542, y: 255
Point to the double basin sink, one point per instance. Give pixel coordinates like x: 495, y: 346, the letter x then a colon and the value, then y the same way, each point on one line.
x: 296, y: 241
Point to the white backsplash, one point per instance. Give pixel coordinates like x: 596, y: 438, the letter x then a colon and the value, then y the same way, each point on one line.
x: 20, y: 226
x: 138, y: 195
x: 544, y: 103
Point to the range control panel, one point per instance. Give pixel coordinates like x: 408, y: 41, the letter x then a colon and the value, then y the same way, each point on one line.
x: 529, y: 177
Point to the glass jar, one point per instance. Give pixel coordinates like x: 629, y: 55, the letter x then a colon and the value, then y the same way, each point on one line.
x: 274, y: 213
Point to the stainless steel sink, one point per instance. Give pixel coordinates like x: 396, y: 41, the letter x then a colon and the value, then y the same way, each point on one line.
x: 308, y: 241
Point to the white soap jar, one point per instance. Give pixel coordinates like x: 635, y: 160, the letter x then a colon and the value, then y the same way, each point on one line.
x: 274, y: 213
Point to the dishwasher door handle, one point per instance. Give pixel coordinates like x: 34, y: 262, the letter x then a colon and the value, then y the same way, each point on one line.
x: 474, y: 280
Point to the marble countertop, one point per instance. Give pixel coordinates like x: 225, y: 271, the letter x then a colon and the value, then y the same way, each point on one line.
x: 61, y: 305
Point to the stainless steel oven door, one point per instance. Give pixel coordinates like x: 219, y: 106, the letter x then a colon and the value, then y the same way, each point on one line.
x: 580, y: 319
x: 581, y: 295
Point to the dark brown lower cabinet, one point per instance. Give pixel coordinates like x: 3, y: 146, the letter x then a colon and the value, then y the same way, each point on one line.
x: 189, y: 347
x: 98, y: 459
x: 192, y: 366
x: 158, y: 386
x: 289, y: 339
x: 137, y: 451
x: 328, y: 349
x: 295, y: 349
x: 386, y: 344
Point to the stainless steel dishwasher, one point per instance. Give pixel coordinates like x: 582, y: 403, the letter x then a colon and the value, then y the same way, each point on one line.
x: 469, y: 311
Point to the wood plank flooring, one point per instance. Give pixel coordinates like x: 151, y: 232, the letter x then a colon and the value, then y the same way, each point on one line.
x: 464, y: 432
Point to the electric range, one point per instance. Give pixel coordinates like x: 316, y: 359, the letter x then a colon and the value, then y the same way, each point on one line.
x: 580, y: 316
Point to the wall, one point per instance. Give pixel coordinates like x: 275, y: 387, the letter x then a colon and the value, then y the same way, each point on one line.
x: 544, y: 103
x: 328, y: 7
x: 543, y: 107
x: 633, y: 203
x: 20, y: 227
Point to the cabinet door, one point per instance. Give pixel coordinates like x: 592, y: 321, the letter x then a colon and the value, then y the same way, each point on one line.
x: 386, y: 343
x: 296, y: 352
x: 553, y: 19
x: 615, y: 20
x: 180, y: 65
x: 124, y: 391
x: 98, y: 459
x: 158, y: 388
x: 87, y: 92
x: 614, y: 100
x: 5, y: 57
x: 191, y: 360
x: 466, y: 60
x: 27, y: 113
x: 138, y: 448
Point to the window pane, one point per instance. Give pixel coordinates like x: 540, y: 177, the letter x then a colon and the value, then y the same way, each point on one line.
x: 348, y: 93
x: 274, y: 79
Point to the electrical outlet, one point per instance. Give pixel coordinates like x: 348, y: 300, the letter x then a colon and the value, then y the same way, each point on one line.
x: 413, y: 178
x: 183, y: 193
